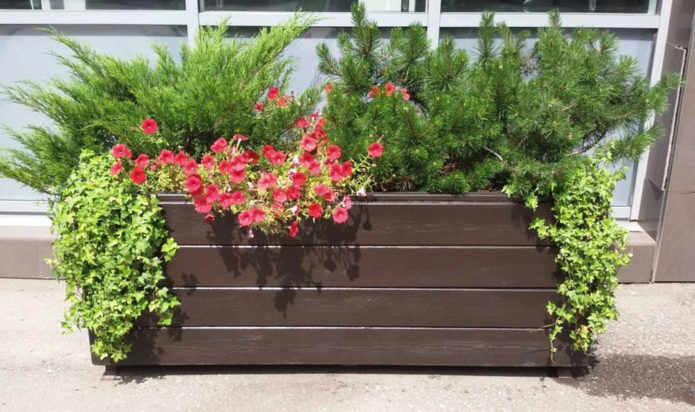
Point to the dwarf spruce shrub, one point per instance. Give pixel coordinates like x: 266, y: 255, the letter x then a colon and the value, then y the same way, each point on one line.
x: 210, y: 90
x: 516, y: 116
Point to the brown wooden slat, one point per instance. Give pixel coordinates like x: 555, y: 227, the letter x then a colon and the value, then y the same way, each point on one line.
x: 365, y: 266
x: 391, y: 223
x: 345, y: 346
x: 489, y: 308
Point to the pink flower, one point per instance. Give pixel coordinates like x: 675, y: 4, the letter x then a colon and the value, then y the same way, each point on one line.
x: 194, y: 184
x: 202, y: 205
x: 336, y: 172
x: 374, y: 91
x: 267, y: 181
x: 346, y: 168
x: 142, y: 160
x: 209, y: 217
x: 293, y: 192
x: 229, y: 199
x: 275, y: 157
x: 208, y: 162
x: 340, y: 215
x: 333, y: 152
x: 258, y: 215
x: 273, y: 92
x: 325, y: 192
x: 181, y: 159
x: 298, y: 178
x: 212, y: 193
x: 279, y: 195
x: 137, y: 175
x: 309, y: 142
x: 219, y: 145
x: 166, y: 156
x: 390, y: 88
x: 282, y: 101
x: 306, y: 158
x: 347, y: 202
x: 259, y: 106
x: 314, y: 168
x: 149, y: 126
x: 240, y: 137
x: 237, y: 176
x: 120, y: 150
x: 116, y: 168
x: 190, y: 167
x: 375, y: 149
x: 327, y: 88
x: 238, y: 163
x: 251, y: 157
x: 245, y: 218
x: 225, y: 166
x: 315, y: 210
x: 302, y: 123
x: 405, y: 94
x: 293, y: 229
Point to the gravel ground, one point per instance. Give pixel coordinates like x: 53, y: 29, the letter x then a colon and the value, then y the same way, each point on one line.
x: 646, y: 361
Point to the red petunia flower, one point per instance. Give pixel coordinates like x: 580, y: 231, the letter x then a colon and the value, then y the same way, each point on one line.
x: 240, y: 137
x: 251, y: 157
x: 293, y: 192
x: 390, y: 88
x: 293, y: 229
x: 209, y: 217
x: 258, y: 215
x: 336, y: 172
x: 325, y: 192
x: 340, y: 215
x: 306, y: 158
x: 279, y: 196
x: 194, y: 183
x: 298, y: 178
x: 149, y: 126
x: 267, y: 181
x: 315, y: 210
x: 229, y: 199
x: 259, y: 106
x: 375, y: 149
x: 219, y: 145
x: 274, y: 156
x: 347, y: 202
x: 245, y: 218
x: 314, y: 168
x: 212, y: 193
x: 374, y: 91
x: 166, y: 157
x: 237, y: 176
x: 190, y: 167
x: 273, y: 92
x: 302, y: 123
x: 333, y: 152
x: 142, y: 160
x: 225, y: 166
x: 327, y: 88
x: 181, y: 159
x: 116, y: 168
x: 208, y: 162
x: 346, y: 168
x: 309, y: 142
x: 405, y: 94
x: 120, y: 150
x: 137, y: 175
x: 202, y: 205
x: 238, y: 163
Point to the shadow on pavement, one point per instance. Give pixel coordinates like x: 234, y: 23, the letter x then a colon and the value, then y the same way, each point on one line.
x: 638, y: 376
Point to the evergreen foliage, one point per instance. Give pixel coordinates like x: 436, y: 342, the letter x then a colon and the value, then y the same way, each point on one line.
x: 517, y: 116
x: 111, y: 245
x: 208, y: 93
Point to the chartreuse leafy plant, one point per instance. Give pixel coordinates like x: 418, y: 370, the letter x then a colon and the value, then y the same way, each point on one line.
x: 216, y: 87
x: 590, y: 249
x: 110, y: 249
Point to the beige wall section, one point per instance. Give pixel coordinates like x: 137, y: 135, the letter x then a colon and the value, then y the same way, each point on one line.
x: 23, y: 251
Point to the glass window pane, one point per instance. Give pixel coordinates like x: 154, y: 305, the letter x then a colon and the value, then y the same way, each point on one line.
x: 29, y: 51
x: 312, y: 5
x: 577, y: 6
x: 93, y: 4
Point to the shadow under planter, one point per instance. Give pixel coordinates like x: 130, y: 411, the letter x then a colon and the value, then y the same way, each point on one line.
x: 411, y: 279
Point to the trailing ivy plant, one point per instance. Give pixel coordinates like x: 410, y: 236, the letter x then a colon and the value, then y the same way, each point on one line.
x: 110, y: 248
x: 590, y: 248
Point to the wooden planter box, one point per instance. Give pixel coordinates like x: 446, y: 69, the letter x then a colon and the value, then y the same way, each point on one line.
x: 412, y: 279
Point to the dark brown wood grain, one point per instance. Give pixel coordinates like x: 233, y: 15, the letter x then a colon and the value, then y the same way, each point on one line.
x: 458, y: 221
x: 364, y: 266
x: 345, y: 346
x: 513, y: 308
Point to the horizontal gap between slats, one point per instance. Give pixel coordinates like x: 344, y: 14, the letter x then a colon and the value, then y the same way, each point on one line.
x: 423, y: 328
x: 365, y: 289
x: 362, y: 246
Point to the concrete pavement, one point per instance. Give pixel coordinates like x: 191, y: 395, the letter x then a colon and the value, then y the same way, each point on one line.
x: 646, y: 361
